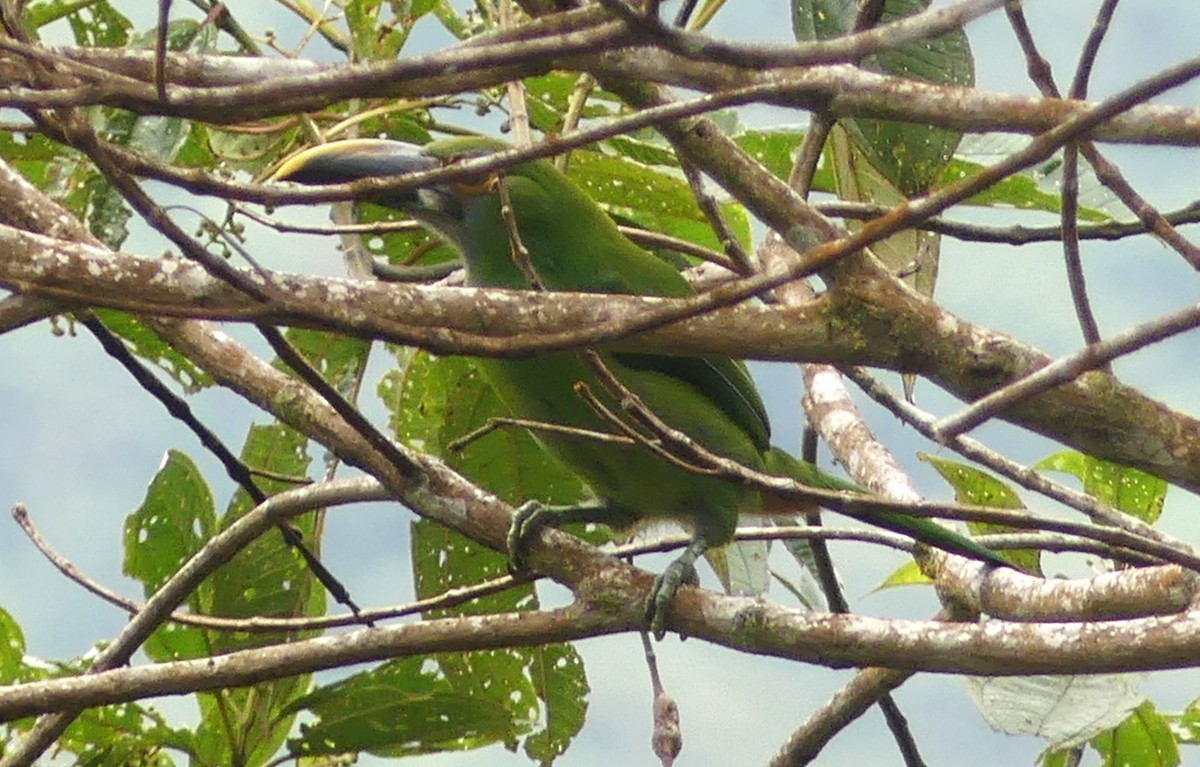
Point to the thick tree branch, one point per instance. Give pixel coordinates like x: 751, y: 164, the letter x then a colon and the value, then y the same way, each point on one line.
x: 993, y: 648
x: 232, y: 90
x: 1096, y: 414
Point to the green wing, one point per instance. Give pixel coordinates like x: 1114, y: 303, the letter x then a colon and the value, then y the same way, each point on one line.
x: 724, y: 381
x: 604, y: 261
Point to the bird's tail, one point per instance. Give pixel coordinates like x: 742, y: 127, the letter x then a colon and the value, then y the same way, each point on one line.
x: 926, y: 531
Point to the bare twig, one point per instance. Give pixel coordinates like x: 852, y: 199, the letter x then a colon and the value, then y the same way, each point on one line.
x: 1067, y: 369
x: 1106, y: 172
x: 262, y: 624
x: 1023, y: 475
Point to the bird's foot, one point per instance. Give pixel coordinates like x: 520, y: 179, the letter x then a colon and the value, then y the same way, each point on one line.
x: 528, y: 517
x: 679, y: 572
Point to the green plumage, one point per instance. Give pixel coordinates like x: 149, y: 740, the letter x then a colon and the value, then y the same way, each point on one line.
x: 574, y: 246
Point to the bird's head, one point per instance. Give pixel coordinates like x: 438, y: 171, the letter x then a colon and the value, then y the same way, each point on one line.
x: 557, y: 222
x: 444, y: 207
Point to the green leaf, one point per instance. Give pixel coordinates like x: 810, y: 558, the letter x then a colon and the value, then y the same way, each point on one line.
x: 1144, y: 739
x: 124, y: 734
x: 145, y: 343
x: 416, y: 246
x: 910, y: 252
x: 267, y: 578
x: 38, y: 14
x: 651, y: 199
x: 560, y: 682
x: 450, y: 20
x: 403, y: 708
x: 907, y: 574
x: 776, y: 149
x: 1131, y: 490
x: 644, y: 152
x: 972, y: 486
x: 1186, y: 725
x: 338, y: 358
x: 549, y: 98
x: 911, y: 156
x: 435, y: 400
x: 912, y: 255
x: 444, y: 560
x: 1035, y: 188
x: 380, y: 39
x: 99, y: 25
x: 247, y: 152
x: 1061, y: 758
x: 174, y: 520
x: 12, y: 649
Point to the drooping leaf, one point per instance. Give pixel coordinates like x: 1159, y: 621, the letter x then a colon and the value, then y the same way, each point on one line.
x: 910, y: 156
x: 1144, y: 739
x: 907, y: 574
x: 742, y: 567
x: 434, y: 401
x: 910, y: 254
x: 560, y: 681
x: 12, y: 648
x: 144, y: 343
x: 174, y: 520
x: 1064, y: 711
x: 972, y: 486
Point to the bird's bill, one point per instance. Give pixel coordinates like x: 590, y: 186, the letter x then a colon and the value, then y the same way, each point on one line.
x: 345, y: 161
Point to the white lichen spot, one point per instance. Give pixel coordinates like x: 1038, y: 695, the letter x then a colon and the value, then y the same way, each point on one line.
x: 219, y: 337
x: 947, y: 324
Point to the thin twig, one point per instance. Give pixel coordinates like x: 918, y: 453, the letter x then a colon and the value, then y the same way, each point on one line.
x: 493, y: 424
x: 1068, y: 368
x: 1106, y: 172
x: 1040, y: 72
x: 584, y: 85
x: 518, y: 112
x: 520, y: 253
x: 737, y: 256
x: 617, y: 389
x: 215, y: 552
x: 352, y: 415
x: 1018, y: 234
x: 262, y: 624
x: 234, y: 467
x: 667, y: 738
x: 1022, y: 475
x: 160, y: 48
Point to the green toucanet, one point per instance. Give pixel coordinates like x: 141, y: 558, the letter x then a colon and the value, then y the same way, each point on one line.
x: 574, y: 246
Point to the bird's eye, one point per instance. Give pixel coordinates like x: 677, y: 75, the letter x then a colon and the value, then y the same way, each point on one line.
x: 473, y: 186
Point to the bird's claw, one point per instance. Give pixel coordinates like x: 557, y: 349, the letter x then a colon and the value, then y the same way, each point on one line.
x: 658, y: 603
x: 526, y: 520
